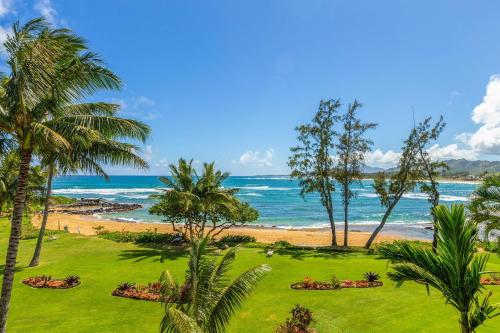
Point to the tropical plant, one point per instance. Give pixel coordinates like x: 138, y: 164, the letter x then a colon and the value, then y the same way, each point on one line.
x: 9, y: 163
x: 352, y: 147
x: 429, y: 169
x: 371, y: 276
x: 391, y: 190
x: 88, y: 151
x: 311, y: 161
x: 299, y: 322
x: 485, y: 204
x: 50, y: 72
x: 454, y: 268
x: 200, y: 205
x: 207, y: 299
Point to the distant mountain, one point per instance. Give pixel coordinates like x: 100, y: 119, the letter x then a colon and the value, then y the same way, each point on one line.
x: 475, y: 168
x: 457, y: 167
x: 371, y: 169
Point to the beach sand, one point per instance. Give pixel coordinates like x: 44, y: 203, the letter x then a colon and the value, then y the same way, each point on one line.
x: 305, y: 237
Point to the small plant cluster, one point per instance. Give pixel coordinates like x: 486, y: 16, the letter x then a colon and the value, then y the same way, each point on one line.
x: 145, y: 237
x: 492, y: 280
x: 281, y: 244
x: 46, y: 281
x: 299, y: 322
x: 371, y: 279
x: 150, y: 292
x: 233, y: 240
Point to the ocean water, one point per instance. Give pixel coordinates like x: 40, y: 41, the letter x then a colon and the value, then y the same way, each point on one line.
x: 277, y: 198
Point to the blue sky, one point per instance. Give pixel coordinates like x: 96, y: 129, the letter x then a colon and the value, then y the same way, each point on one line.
x: 229, y: 80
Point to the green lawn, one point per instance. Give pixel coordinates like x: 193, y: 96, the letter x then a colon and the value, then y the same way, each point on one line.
x: 102, y: 264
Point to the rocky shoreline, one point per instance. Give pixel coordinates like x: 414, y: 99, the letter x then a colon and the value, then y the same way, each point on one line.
x: 93, y: 206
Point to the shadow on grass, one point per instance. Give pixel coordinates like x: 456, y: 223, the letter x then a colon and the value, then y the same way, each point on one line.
x: 304, y: 253
x: 16, y: 270
x: 155, y: 253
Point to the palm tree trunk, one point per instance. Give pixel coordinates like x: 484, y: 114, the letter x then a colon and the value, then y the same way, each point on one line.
x: 38, y: 249
x: 382, y: 223
x: 346, y: 223
x: 464, y: 323
x: 15, y: 234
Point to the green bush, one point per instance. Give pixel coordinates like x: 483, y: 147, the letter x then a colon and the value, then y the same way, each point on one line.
x: 137, y: 237
x: 232, y: 240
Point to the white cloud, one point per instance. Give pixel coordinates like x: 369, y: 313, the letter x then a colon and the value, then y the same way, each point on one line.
x: 380, y: 159
x: 6, y: 7
x: 148, y: 153
x: 4, y: 32
x: 256, y: 158
x: 46, y: 9
x: 143, y: 101
x: 486, y: 140
x: 163, y: 163
x: 452, y: 151
x: 121, y: 102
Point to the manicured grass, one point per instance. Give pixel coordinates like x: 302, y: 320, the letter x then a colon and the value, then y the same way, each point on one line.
x: 102, y: 264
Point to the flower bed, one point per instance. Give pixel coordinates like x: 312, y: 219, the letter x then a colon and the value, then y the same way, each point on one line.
x: 488, y: 281
x: 150, y: 292
x: 310, y: 284
x: 45, y: 281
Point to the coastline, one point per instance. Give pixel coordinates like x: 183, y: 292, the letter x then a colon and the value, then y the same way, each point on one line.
x: 305, y: 237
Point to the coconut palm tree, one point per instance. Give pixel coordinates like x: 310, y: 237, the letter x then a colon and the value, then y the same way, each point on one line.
x: 207, y: 299
x: 85, y: 156
x: 50, y: 72
x: 199, y: 205
x: 454, y: 268
x: 485, y: 204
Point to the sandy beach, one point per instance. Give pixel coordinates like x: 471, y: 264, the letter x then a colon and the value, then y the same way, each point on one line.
x: 306, y: 237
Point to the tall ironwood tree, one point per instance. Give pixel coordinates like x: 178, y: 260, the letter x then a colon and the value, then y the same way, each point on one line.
x: 429, y: 169
x: 312, y: 161
x: 391, y: 188
x: 351, y: 149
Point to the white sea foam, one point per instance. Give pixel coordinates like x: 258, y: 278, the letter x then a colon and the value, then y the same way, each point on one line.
x: 106, y: 191
x: 265, y: 188
x: 268, y: 178
x: 251, y: 194
x: 137, y: 196
x: 423, y: 196
x: 368, y: 195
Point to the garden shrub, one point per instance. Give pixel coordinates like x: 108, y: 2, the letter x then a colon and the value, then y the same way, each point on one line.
x: 299, y: 321
x: 145, y: 237
x: 232, y: 240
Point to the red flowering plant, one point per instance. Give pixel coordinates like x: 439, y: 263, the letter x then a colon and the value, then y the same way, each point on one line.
x: 46, y: 281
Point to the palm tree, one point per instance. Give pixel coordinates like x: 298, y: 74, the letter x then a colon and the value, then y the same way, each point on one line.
x: 454, y: 268
x: 200, y: 202
x: 485, y: 204
x: 51, y: 71
x: 9, y: 164
x: 84, y: 157
x: 207, y: 299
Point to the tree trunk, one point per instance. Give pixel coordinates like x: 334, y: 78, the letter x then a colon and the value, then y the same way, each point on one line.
x: 464, y: 323
x: 15, y: 233
x: 434, y: 234
x: 382, y: 223
x: 329, y: 208
x: 434, y: 221
x: 38, y: 249
x: 346, y: 223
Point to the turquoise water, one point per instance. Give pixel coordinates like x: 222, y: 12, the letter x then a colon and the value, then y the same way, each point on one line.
x: 276, y: 198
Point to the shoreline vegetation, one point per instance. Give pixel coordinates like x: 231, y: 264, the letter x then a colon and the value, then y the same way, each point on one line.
x: 85, y: 225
